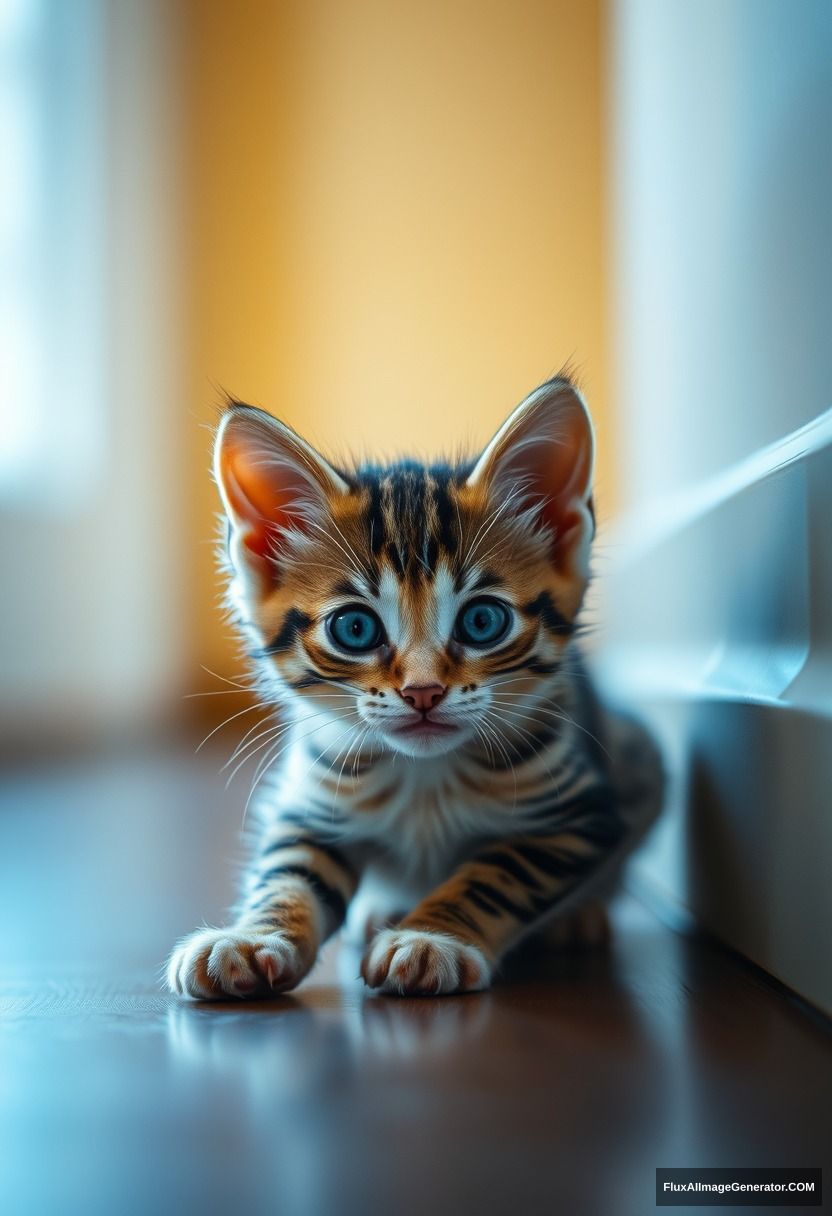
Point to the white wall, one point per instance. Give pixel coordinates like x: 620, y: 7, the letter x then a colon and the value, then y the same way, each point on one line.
x: 722, y: 197
x: 717, y: 600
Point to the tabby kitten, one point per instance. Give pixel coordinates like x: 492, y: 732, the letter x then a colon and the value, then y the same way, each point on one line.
x: 440, y: 742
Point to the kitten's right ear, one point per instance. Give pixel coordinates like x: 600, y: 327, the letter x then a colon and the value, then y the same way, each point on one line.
x: 271, y: 482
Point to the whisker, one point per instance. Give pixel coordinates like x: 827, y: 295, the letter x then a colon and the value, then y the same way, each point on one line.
x: 267, y: 743
x: 486, y: 742
x: 225, y: 680
x: 324, y: 750
x: 274, y: 734
x: 216, y: 692
x: 243, y: 743
x: 258, y: 777
x: 538, y: 749
x: 494, y: 517
x: 346, y: 542
x: 495, y: 736
x: 350, y: 562
x: 248, y: 709
x: 567, y: 718
x: 360, y: 740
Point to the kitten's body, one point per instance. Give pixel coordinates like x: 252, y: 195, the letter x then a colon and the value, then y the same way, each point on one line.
x: 409, y: 824
x: 441, y: 744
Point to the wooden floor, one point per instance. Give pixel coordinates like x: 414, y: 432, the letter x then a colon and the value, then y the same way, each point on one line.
x: 560, y: 1091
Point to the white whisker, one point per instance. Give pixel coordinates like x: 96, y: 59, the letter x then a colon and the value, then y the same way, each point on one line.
x: 248, y: 709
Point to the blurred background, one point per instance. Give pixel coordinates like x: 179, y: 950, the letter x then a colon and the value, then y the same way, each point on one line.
x: 386, y: 223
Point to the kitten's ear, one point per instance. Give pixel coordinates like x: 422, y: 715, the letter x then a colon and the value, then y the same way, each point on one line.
x: 271, y: 481
x: 543, y: 456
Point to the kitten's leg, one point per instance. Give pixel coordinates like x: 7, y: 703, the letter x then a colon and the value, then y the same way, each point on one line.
x: 382, y: 899
x: 453, y: 940
x: 298, y: 893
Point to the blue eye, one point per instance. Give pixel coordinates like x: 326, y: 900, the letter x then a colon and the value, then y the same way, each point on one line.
x: 483, y: 622
x: 355, y: 629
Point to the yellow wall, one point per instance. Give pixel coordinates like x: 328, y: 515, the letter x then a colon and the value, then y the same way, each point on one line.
x: 395, y: 222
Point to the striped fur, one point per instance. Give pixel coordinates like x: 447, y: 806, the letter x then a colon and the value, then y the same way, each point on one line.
x: 511, y: 800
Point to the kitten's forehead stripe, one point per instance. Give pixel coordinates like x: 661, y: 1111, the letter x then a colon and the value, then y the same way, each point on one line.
x: 415, y: 516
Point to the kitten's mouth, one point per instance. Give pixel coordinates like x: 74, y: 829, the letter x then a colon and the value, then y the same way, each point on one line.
x: 424, y: 728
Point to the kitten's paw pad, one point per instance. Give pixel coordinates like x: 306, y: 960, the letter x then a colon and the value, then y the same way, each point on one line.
x: 413, y: 962
x: 217, y: 963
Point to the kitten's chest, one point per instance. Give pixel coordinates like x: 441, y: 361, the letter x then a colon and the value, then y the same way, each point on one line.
x: 423, y: 817
x: 425, y: 814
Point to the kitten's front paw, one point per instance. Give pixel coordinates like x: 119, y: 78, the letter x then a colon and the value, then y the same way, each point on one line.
x: 413, y: 962
x: 216, y: 963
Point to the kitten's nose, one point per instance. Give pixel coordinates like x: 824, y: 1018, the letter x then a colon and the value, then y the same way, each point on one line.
x: 423, y: 696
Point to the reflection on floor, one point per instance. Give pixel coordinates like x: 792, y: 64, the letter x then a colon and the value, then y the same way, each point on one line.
x: 560, y: 1091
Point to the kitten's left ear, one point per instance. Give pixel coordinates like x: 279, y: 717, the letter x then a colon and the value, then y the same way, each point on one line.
x: 543, y: 455
x: 272, y: 483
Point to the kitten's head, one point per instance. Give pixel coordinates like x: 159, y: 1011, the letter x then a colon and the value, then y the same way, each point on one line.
x: 418, y: 604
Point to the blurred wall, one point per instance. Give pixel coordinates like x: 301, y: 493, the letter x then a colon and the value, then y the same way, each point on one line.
x: 719, y: 620
x: 721, y: 193
x: 93, y: 538
x: 395, y: 226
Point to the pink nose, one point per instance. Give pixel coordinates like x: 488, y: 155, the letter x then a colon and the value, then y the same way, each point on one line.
x: 423, y: 696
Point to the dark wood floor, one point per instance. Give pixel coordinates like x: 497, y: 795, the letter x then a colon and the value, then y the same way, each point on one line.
x: 560, y: 1091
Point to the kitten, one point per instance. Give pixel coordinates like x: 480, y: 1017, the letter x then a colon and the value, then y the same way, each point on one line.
x: 441, y: 744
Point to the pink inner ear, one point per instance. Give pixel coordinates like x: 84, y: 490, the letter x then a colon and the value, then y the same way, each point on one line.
x: 553, y: 462
x: 576, y: 451
x: 543, y: 456
x: 260, y: 497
